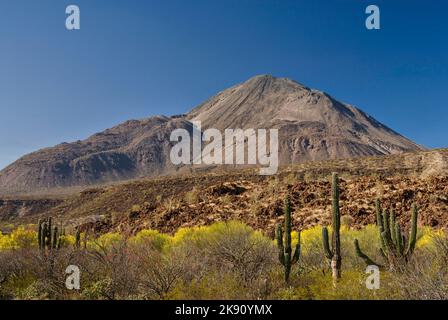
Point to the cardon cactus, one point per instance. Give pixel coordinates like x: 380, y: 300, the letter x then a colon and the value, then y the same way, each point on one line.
x: 285, y: 255
x: 396, y: 248
x: 49, y: 236
x: 78, y: 239
x: 333, y: 253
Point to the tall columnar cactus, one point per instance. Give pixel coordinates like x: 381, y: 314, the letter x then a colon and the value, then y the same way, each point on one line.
x: 78, y: 239
x: 285, y: 255
x: 396, y: 248
x: 40, y: 234
x: 49, y: 236
x: 333, y: 253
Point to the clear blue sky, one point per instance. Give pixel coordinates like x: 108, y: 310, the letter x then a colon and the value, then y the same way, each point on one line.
x: 134, y: 58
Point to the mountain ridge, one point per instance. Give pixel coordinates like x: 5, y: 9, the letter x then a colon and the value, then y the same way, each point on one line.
x: 312, y: 125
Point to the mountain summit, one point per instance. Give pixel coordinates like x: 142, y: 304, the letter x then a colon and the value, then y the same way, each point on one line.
x: 312, y: 126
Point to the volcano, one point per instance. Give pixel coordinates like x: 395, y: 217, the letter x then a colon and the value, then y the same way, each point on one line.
x: 312, y: 126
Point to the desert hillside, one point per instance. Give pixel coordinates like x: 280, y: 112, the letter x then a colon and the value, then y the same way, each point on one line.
x: 312, y: 126
x: 169, y: 203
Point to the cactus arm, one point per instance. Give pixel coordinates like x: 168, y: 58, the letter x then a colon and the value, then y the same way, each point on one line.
x: 399, y: 240
x: 413, y: 232
x: 78, y: 239
x: 388, y: 242
x: 393, y: 226
x: 39, y: 233
x: 49, y: 235
x: 44, y: 235
x: 363, y: 256
x: 380, y: 225
x: 379, y: 217
x: 326, y: 243
x: 281, y: 249
x: 296, y: 256
x: 386, y: 225
x: 403, y: 241
x: 288, y: 249
x: 55, y: 238
x: 386, y: 234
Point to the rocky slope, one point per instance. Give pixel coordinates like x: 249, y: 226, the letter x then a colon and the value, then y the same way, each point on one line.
x: 130, y: 150
x: 312, y: 126
x: 16, y: 209
x: 169, y: 203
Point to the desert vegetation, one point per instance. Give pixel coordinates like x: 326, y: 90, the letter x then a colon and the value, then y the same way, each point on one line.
x: 231, y: 260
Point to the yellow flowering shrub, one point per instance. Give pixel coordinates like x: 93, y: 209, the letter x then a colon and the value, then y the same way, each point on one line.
x: 203, y: 235
x: 68, y: 240
x: 20, y: 238
x: 426, y: 237
x: 151, y: 237
x: 5, y: 242
x: 106, y: 240
x: 310, y: 238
